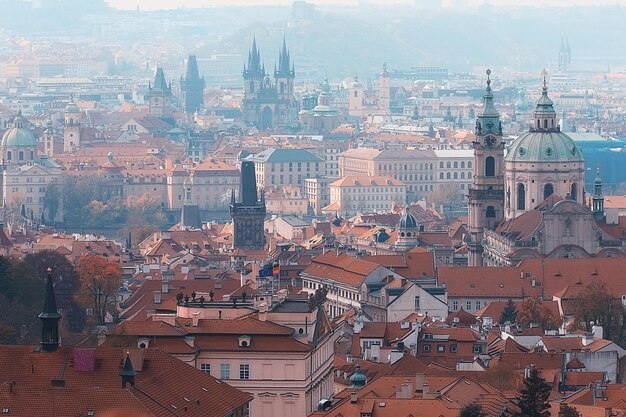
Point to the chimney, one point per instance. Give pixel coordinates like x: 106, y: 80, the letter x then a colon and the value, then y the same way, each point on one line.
x: 426, y: 394
x: 419, y: 379
x: 263, y: 311
x: 353, y: 396
x: 194, y: 319
x: 157, y: 297
x: 242, y: 278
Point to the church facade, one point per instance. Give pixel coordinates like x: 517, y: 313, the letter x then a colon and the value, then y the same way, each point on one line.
x: 530, y: 203
x: 270, y: 102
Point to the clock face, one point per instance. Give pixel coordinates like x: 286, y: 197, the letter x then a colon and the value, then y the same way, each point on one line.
x: 490, y: 141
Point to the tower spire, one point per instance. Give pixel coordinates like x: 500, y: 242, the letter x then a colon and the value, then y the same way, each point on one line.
x: 598, y: 197
x: 50, y: 318
x: 488, y: 118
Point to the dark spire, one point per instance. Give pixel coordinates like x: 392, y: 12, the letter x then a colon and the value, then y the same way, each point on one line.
x: 50, y: 318
x: 192, y: 86
x: 598, y: 197
x: 160, y: 83
x: 128, y: 372
x: 247, y: 185
x: 285, y: 67
x: 254, y: 68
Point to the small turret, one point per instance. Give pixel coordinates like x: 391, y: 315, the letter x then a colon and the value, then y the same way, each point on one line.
x: 598, y: 197
x: 128, y: 372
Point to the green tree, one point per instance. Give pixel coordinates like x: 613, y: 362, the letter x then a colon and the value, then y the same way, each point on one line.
x: 533, y: 398
x: 509, y: 314
x: 568, y: 411
x: 51, y: 201
x: 472, y: 410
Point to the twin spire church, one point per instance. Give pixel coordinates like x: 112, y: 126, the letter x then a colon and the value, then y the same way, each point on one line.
x: 527, y: 200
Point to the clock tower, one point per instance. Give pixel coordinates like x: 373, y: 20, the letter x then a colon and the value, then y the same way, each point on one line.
x: 486, y: 195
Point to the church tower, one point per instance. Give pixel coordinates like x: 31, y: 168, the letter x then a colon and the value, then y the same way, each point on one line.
x: 253, y: 76
x: 159, y: 95
x: 249, y: 213
x: 486, y: 196
x: 598, y: 197
x: 384, y: 101
x: 48, y: 139
x: 71, y: 131
x: 192, y: 87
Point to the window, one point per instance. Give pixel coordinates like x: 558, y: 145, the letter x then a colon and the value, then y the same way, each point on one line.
x: 455, y: 305
x: 453, y: 348
x: 477, y: 349
x: 573, y: 194
x: 491, y: 212
x: 490, y: 166
x: 244, y: 371
x: 224, y: 371
x: 548, y: 189
x: 417, y: 303
x: 521, y: 197
x: 426, y: 348
x: 477, y: 304
x: 468, y: 305
x: 206, y: 368
x: 441, y: 348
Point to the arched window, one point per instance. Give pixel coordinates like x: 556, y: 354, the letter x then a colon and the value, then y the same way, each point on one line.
x: 9, y: 155
x: 538, y: 123
x: 490, y: 166
x: 548, y: 189
x: 456, y: 164
x: 32, y: 155
x: 356, y: 93
x: 491, y: 212
x: 441, y: 164
x: 469, y: 164
x: 545, y: 123
x: 447, y: 175
x: 441, y: 175
x: 456, y: 175
x: 462, y: 175
x: 252, y: 86
x: 469, y: 175
x: 521, y: 197
x: 448, y: 165
x: 574, y: 191
x: 20, y: 155
x: 462, y: 164
x: 431, y: 165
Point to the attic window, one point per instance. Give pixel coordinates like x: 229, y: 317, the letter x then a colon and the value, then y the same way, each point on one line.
x: 245, y: 341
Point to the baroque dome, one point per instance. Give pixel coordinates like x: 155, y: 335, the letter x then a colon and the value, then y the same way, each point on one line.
x: 18, y: 136
x: 407, y: 220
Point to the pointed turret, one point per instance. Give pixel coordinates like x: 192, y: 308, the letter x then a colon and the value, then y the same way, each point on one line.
x: 488, y: 119
x: 192, y: 86
x: 545, y: 115
x: 254, y: 67
x: 285, y: 68
x: 160, y: 83
x: 128, y: 372
x: 50, y: 318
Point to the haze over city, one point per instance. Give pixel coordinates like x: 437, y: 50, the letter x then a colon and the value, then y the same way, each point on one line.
x: 314, y: 208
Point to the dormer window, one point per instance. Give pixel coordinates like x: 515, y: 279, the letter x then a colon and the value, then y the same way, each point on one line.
x: 245, y: 341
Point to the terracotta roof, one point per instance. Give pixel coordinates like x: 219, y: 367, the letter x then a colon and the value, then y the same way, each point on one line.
x: 575, y: 363
x: 411, y: 265
x: 342, y: 268
x: 161, y: 381
x: 502, y: 282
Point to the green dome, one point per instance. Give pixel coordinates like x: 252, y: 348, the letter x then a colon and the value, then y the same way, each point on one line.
x: 544, y: 147
x: 18, y: 137
x: 72, y: 108
x: 407, y: 220
x: 358, y: 379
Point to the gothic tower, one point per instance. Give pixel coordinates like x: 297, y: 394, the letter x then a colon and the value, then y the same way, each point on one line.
x: 50, y: 318
x: 71, y: 131
x: 249, y: 213
x: 486, y: 196
x: 253, y: 76
x: 284, y: 74
x: 159, y: 95
x: 192, y: 87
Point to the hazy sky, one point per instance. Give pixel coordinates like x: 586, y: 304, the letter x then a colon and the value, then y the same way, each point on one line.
x: 169, y: 4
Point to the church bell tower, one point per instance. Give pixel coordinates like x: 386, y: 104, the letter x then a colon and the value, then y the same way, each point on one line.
x: 486, y: 195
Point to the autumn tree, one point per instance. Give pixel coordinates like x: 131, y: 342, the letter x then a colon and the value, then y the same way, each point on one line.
x: 51, y: 201
x: 100, y: 279
x: 509, y: 314
x: 472, y: 410
x: 598, y: 304
x: 567, y: 410
x: 533, y: 398
x: 144, y: 209
x: 534, y: 311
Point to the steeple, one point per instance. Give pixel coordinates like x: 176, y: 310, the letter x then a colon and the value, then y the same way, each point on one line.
x: 247, y: 186
x: 192, y: 86
x: 488, y: 119
x: 128, y: 372
x: 598, y: 197
x: 285, y: 66
x: 160, y: 83
x: 254, y: 67
x: 50, y: 318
